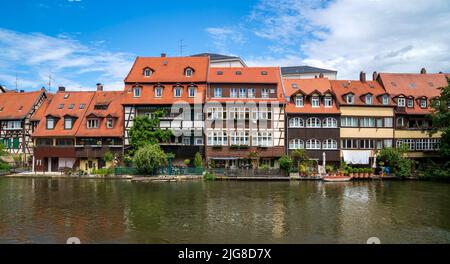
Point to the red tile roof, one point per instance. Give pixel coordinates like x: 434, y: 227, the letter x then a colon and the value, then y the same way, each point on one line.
x: 14, y: 105
x: 148, y: 95
x: 359, y: 89
x: 40, y: 113
x: 76, y: 98
x: 416, y: 85
x: 168, y: 70
x: 113, y: 99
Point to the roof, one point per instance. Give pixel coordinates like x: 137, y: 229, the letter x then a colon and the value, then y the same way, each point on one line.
x: 14, y: 106
x: 168, y: 70
x: 75, y: 98
x: 148, y: 95
x: 416, y: 85
x: 359, y: 89
x: 303, y: 69
x: 215, y: 56
x: 113, y: 99
x: 40, y: 113
x: 247, y: 75
x: 306, y: 86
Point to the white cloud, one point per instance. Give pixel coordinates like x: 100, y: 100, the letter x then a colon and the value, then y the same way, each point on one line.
x: 225, y: 37
x: 72, y: 64
x: 353, y: 35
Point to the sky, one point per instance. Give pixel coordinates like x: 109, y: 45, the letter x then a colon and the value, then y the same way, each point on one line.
x: 78, y: 43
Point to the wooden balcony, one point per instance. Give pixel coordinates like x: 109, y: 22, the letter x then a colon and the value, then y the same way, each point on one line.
x: 96, y: 151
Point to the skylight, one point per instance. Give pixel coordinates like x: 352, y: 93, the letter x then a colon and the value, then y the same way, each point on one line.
x: 412, y: 85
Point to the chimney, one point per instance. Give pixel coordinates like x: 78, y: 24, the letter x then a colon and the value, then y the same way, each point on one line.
x: 61, y: 89
x: 99, y: 87
x: 362, y: 76
x: 163, y: 55
x: 374, y: 75
x: 423, y: 71
x: 321, y: 75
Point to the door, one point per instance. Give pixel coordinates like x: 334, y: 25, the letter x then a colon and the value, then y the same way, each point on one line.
x: 55, y: 165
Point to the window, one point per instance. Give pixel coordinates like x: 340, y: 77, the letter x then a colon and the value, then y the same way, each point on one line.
x: 366, y: 144
x: 315, y: 101
x: 401, y: 102
x: 379, y: 122
x: 198, y: 141
x: 239, y: 138
x: 147, y: 72
x: 423, y: 103
x: 428, y: 144
x: 217, y: 92
x: 349, y: 121
x: 313, y: 122
x: 385, y: 99
x: 387, y: 143
x: 328, y: 101
x: 186, y: 141
x: 388, y: 122
x: 261, y: 113
x: 50, y: 123
x: 82, y: 106
x: 101, y: 106
x: 11, y: 125
x: 313, y: 144
x: 262, y: 139
x: 217, y: 138
x: 294, y: 86
x: 296, y: 122
x: 66, y: 96
x: 242, y: 93
x: 410, y: 143
x: 265, y: 93
x: 71, y: 106
x: 369, y: 99
x: 296, y: 144
x: 188, y: 72
x: 158, y: 91
x: 329, y: 122
x: 177, y: 91
x: 238, y: 73
x: 192, y: 91
x: 219, y: 72
x: 263, y: 73
x: 68, y: 123
x: 401, y: 122
x: 215, y: 113
x: 137, y: 91
x: 92, y: 123
x: 240, y: 113
x: 410, y: 103
x: 299, y: 102
x: 329, y: 144
x: 350, y: 98
x: 234, y: 93
x: 367, y: 122
x: 61, y: 106
x: 109, y: 123
x: 251, y: 92
x: 349, y: 144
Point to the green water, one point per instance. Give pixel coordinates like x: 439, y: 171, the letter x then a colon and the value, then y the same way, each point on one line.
x: 96, y: 211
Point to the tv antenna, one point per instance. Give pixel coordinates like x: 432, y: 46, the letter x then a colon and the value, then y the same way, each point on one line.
x: 181, y: 47
x: 50, y: 79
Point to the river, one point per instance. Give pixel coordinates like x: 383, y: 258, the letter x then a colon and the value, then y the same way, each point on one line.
x: 117, y: 211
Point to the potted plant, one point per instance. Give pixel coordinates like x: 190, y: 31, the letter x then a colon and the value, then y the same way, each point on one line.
x: 302, y: 170
x: 350, y: 172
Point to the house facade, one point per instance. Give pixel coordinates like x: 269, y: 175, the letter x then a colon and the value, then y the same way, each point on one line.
x: 244, y: 117
x: 16, y: 126
x: 313, y: 119
x: 413, y: 95
x: 177, y: 86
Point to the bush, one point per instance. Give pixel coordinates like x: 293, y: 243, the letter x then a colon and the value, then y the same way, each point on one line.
x: 396, y: 159
x: 286, y: 163
x: 209, y: 176
x: 108, y: 156
x: 198, y: 161
x: 187, y: 162
x: 4, y: 166
x: 149, y: 158
x: 329, y: 168
x: 103, y: 171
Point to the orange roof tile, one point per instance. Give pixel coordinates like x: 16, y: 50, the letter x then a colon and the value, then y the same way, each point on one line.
x: 14, y: 106
x: 40, y: 113
x: 416, y: 85
x: 64, y: 99
x: 148, y: 95
x: 306, y: 86
x: 168, y: 70
x: 113, y: 99
x: 359, y: 89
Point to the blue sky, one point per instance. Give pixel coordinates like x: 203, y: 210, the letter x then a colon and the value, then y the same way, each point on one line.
x: 82, y: 42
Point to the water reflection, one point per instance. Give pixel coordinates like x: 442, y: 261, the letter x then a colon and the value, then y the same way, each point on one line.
x: 50, y: 211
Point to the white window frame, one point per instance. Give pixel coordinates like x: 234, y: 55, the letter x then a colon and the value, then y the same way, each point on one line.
x: 137, y: 91
x: 251, y: 92
x: 385, y: 99
x: 234, y: 93
x: 329, y: 144
x: 177, y: 91
x: 158, y: 91
x: 217, y: 92
x: 239, y: 138
x: 262, y: 139
x: 192, y: 91
x: 296, y: 122
x: 423, y: 103
x: 328, y: 101
x: 410, y: 103
x: 265, y: 93
x: 217, y: 138
x: 315, y: 101
x: 50, y: 121
x: 242, y: 92
x: 401, y: 102
x: 350, y: 98
x: 299, y: 101
x: 189, y: 72
x: 109, y: 122
x: 313, y: 144
x: 313, y: 122
x: 369, y: 99
x: 68, y: 120
x: 147, y: 72
x: 92, y: 123
x: 329, y: 122
x: 296, y: 143
x: 349, y: 121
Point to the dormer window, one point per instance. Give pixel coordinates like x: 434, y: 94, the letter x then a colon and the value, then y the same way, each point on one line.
x: 177, y: 91
x: 423, y: 103
x: 234, y: 93
x: 20, y: 108
x: 68, y: 123
x: 109, y: 123
x: 82, y: 106
x: 294, y: 86
x: 66, y: 96
x: 137, y: 91
x: 50, y: 123
x: 93, y: 123
x: 350, y: 98
x: 71, y: 106
x: 410, y: 103
x: 219, y: 72
x: 188, y: 72
x: 401, y: 102
x: 238, y: 73
x: 158, y: 91
x: 192, y: 91
x: 263, y: 73
x: 299, y: 101
x: 385, y: 99
x: 369, y: 99
x: 147, y: 72
x: 251, y: 92
x: 315, y: 101
x: 328, y: 101
x: 265, y: 93
x: 61, y: 106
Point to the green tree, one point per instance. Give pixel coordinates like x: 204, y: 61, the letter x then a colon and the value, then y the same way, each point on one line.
x: 198, y: 161
x: 149, y: 158
x: 146, y: 130
x: 298, y: 156
x: 397, y: 160
x: 286, y: 163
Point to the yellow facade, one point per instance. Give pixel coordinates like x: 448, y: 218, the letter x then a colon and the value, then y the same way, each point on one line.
x: 412, y: 134
x: 366, y: 111
x: 367, y: 132
x: 84, y: 164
